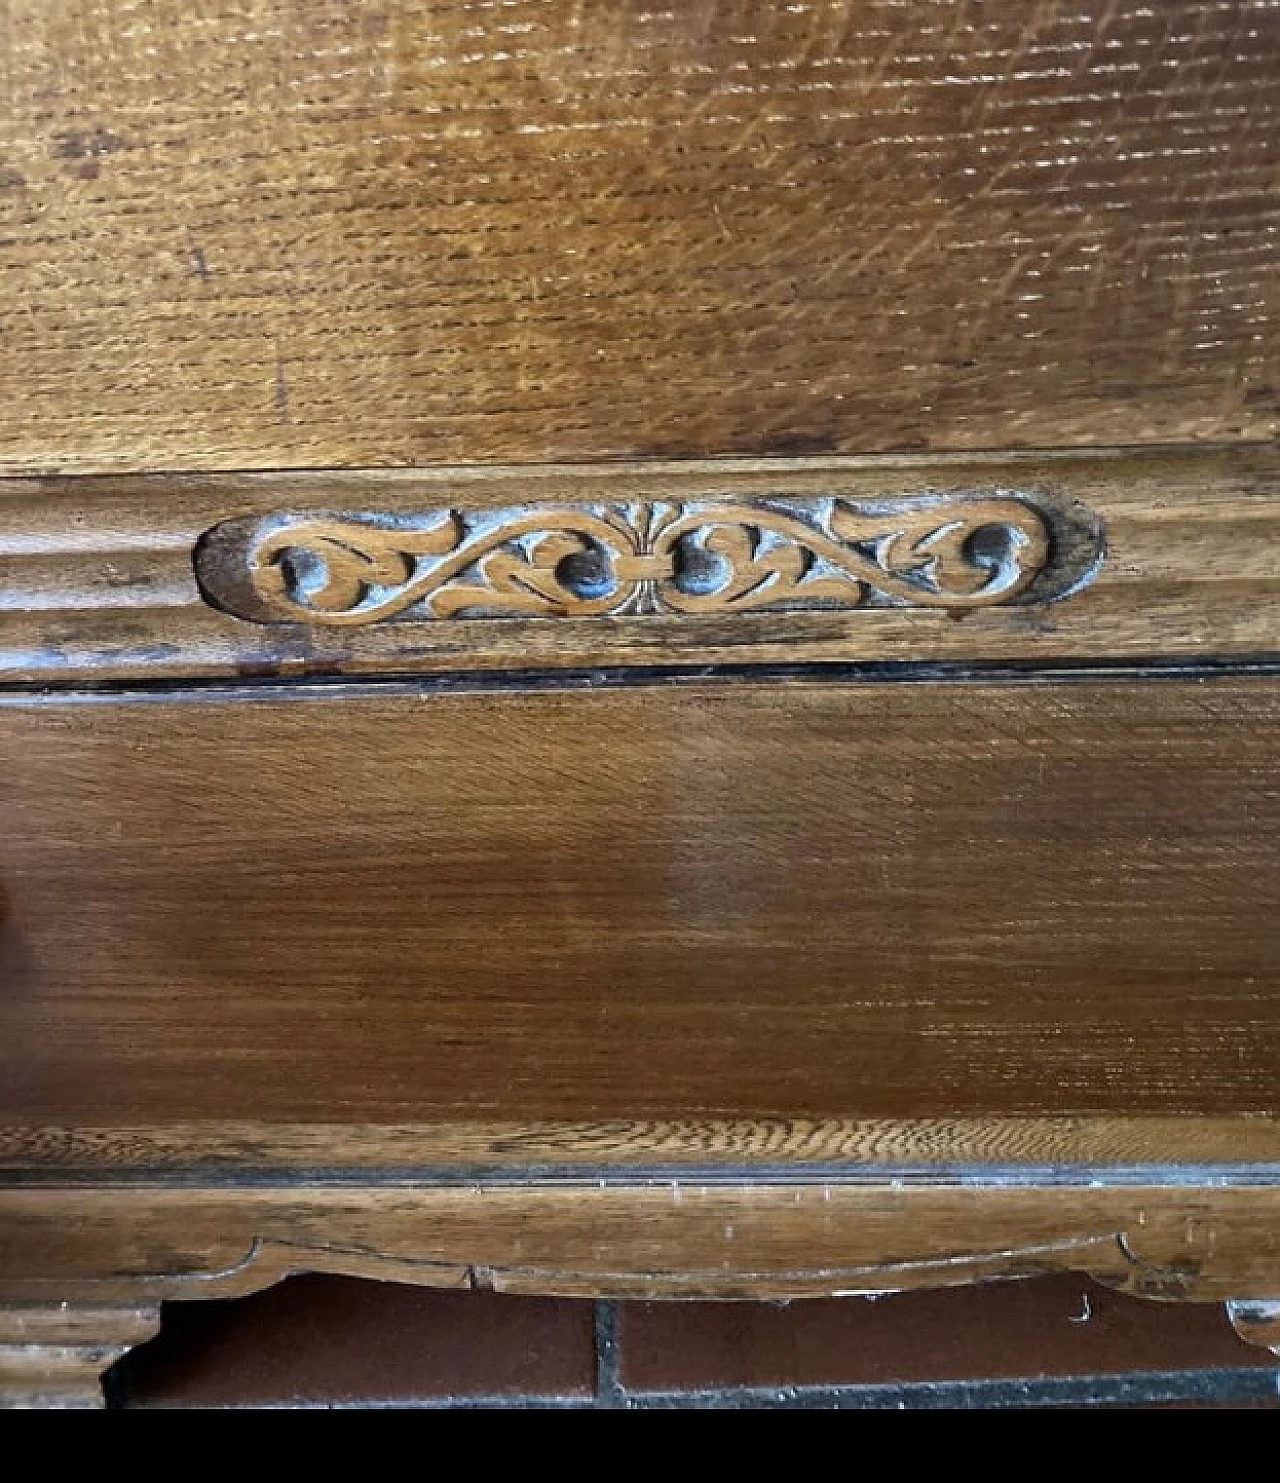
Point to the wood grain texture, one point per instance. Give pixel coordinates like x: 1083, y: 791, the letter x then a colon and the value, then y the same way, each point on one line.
x: 1014, y: 1148
x: 742, y: 901
x: 97, y: 582
x: 273, y: 233
x: 668, y: 1239
x: 769, y: 988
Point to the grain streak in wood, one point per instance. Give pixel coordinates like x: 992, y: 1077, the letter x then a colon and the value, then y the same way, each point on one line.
x: 742, y: 901
x: 1073, y: 1148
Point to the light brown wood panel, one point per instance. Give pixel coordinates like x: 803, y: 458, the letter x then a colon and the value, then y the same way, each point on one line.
x: 98, y: 581
x: 744, y: 901
x: 272, y: 233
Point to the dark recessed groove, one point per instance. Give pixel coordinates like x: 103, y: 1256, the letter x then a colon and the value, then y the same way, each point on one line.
x: 1002, y: 672
x: 235, y: 1176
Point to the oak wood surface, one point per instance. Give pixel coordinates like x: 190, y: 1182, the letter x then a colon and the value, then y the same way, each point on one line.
x: 859, y: 1151
x: 98, y: 584
x: 757, y: 987
x: 738, y: 900
x: 281, y: 233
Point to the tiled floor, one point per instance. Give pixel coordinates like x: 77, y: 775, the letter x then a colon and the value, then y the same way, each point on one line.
x: 336, y: 1342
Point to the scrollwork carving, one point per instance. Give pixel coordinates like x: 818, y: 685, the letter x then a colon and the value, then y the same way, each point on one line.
x: 958, y: 551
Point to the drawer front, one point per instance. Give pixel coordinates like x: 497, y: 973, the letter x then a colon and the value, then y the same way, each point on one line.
x: 751, y: 900
x: 638, y: 652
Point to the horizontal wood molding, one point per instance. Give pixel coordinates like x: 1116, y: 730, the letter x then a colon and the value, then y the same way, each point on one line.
x: 670, y: 1239
x: 1017, y: 557
x: 1064, y: 1149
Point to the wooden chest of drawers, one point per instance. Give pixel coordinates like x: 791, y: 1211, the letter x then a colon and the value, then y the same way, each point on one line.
x: 639, y: 652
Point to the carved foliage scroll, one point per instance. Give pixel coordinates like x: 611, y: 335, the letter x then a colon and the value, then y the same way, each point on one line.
x: 956, y: 551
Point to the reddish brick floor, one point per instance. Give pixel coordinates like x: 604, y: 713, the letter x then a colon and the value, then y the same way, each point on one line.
x: 1001, y: 1331
x: 1057, y: 1341
x: 339, y: 1341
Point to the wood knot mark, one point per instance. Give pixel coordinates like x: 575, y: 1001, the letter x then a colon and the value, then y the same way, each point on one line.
x: 83, y: 149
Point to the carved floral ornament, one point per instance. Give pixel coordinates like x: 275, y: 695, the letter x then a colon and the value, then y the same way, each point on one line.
x: 953, y: 551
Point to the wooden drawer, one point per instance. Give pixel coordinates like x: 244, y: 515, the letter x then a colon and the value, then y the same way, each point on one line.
x: 894, y: 981
x: 738, y: 899
x: 638, y: 652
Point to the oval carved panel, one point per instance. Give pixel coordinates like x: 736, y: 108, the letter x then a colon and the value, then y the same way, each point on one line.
x: 967, y: 549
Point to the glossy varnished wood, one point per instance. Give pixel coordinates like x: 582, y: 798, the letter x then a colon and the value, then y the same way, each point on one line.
x: 311, y: 233
x: 389, y: 948
x: 745, y: 900
x: 1178, y: 556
